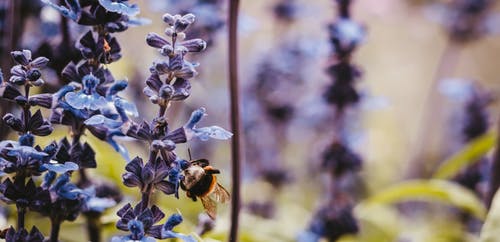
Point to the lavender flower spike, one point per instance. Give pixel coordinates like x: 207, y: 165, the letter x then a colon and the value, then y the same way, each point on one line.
x: 205, y: 133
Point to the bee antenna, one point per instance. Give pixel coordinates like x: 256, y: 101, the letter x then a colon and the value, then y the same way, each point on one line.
x: 189, y: 153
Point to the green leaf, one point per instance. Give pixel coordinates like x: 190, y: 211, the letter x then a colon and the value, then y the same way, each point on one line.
x: 434, y: 191
x: 466, y: 156
x: 377, y: 222
x: 491, y: 227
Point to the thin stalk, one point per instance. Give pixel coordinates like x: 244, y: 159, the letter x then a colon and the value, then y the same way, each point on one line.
x: 54, y: 230
x: 433, y: 106
x: 21, y: 211
x: 92, y: 222
x: 146, y: 196
x: 235, y: 117
x: 83, y: 180
x: 93, y: 227
x: 494, y: 182
x: 66, y: 37
x: 26, y: 108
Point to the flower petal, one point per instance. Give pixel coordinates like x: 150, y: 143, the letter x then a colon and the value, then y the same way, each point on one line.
x: 214, y: 132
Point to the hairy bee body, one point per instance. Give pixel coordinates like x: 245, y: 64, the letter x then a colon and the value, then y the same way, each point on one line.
x: 199, y: 181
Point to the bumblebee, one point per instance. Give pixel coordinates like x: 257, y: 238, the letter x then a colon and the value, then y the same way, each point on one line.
x: 199, y: 181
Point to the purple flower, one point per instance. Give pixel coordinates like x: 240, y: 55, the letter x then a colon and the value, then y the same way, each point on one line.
x: 204, y: 133
x: 104, y: 49
x: 332, y: 222
x: 120, y: 6
x: 166, y: 230
x: 80, y: 154
x: 87, y: 98
x: 165, y: 47
x: 98, y: 204
x: 342, y: 92
x: 340, y: 159
x: 24, y: 195
x: 21, y: 157
x: 66, y: 200
x: 27, y: 70
x: 178, y: 23
x: 346, y: 35
x: 37, y: 125
x: 161, y: 94
x: 113, y: 16
x: 157, y: 131
x: 286, y: 10
x: 175, y: 66
x: 60, y: 168
x: 157, y: 175
x: 22, y: 235
x: 141, y: 224
x: 73, y: 12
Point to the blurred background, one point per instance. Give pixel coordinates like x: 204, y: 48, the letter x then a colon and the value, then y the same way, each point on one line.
x: 406, y: 123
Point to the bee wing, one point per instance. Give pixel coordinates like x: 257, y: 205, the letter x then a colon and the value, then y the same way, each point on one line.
x: 220, y: 194
x: 210, y: 206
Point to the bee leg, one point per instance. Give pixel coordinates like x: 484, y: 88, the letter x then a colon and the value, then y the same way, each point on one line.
x: 188, y: 194
x: 211, y: 170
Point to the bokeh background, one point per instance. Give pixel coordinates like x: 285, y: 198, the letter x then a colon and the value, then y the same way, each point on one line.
x: 400, y: 59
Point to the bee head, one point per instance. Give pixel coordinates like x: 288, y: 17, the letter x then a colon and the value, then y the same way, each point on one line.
x: 192, y: 175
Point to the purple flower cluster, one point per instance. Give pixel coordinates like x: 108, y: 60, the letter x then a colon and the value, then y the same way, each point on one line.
x: 92, y: 102
x: 467, y: 19
x: 208, y: 12
x: 168, y: 82
x: 89, y: 102
x: 334, y: 218
x: 56, y: 198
